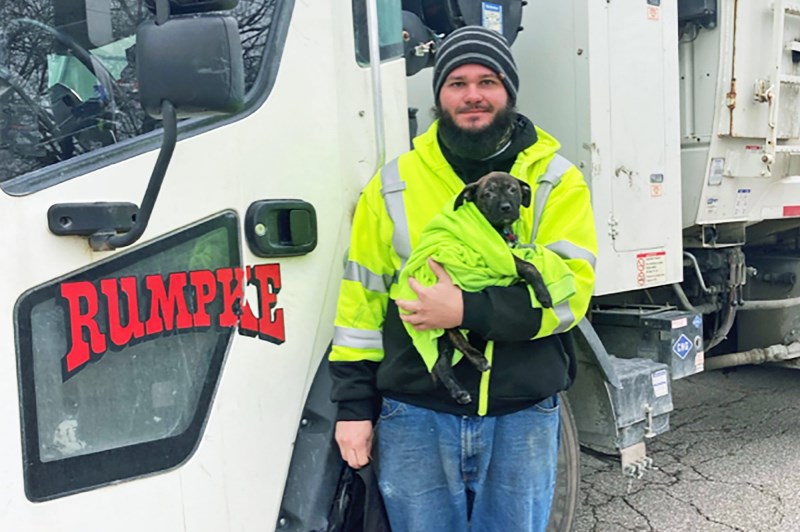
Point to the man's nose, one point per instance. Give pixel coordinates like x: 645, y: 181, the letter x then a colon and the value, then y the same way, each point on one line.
x: 473, y: 93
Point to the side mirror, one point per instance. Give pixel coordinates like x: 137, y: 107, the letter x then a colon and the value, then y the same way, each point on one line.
x: 195, y: 62
x: 184, y: 7
x: 427, y: 22
x: 419, y: 42
x: 186, y: 65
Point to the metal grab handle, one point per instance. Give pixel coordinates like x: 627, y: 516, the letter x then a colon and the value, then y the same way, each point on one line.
x: 377, y: 85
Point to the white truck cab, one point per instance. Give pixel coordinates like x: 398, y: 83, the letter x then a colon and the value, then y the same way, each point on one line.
x: 169, y: 287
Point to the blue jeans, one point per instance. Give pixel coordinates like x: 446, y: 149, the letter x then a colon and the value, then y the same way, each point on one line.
x: 445, y: 473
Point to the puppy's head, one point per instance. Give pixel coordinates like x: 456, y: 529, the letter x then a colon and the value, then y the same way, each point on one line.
x: 498, y: 196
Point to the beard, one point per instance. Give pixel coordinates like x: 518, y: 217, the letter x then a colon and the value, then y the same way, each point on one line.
x: 475, y: 144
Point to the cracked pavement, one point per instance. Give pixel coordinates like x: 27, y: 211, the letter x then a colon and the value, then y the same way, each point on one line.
x: 730, y: 462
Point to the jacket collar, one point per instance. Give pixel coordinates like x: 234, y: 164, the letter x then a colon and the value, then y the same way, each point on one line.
x: 430, y: 152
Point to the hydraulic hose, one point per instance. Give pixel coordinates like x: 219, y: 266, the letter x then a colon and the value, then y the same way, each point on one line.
x: 760, y: 355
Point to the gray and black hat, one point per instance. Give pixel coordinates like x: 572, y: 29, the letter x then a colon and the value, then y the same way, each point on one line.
x: 476, y: 45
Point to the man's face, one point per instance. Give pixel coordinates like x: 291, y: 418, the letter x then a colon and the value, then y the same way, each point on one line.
x: 473, y: 95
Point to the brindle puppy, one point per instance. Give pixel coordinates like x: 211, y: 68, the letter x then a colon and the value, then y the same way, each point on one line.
x: 498, y: 196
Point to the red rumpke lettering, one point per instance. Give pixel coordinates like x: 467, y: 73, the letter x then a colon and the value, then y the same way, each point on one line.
x: 157, y: 305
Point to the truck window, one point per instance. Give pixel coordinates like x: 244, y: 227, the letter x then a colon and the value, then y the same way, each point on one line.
x: 68, y: 92
x: 390, y: 30
x: 117, y: 363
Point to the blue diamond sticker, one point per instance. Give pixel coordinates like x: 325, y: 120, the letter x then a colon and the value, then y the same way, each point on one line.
x: 697, y: 321
x: 682, y: 346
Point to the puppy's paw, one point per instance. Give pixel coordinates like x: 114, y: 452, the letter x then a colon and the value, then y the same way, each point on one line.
x: 483, y: 365
x: 462, y: 397
x: 544, y: 298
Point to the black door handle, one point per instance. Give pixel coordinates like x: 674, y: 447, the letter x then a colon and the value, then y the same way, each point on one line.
x: 280, y: 228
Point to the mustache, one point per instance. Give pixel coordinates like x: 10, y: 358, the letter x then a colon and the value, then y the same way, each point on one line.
x: 487, y: 108
x: 475, y: 145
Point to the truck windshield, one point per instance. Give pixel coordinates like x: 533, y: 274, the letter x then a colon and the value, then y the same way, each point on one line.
x: 67, y: 76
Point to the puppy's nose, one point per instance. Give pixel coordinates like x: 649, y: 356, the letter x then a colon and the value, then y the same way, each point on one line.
x: 505, y: 206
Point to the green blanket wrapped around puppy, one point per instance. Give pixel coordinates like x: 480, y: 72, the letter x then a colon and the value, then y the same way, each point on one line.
x: 475, y: 255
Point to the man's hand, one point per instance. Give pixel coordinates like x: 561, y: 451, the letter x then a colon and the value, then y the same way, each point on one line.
x: 355, y: 442
x: 440, y: 306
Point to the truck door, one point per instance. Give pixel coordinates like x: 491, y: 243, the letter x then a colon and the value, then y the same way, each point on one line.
x: 138, y: 389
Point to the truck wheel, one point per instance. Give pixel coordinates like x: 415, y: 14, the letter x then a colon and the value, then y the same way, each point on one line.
x: 565, y: 498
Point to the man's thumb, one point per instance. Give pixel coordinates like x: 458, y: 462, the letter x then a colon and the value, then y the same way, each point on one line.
x: 439, y: 271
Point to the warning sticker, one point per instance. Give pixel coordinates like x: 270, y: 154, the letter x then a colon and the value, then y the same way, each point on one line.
x: 660, y: 386
x: 653, y: 13
x: 717, y: 170
x: 680, y: 322
x: 492, y: 16
x: 791, y: 210
x: 712, y: 205
x: 742, y: 201
x: 656, y: 185
x: 700, y: 361
x: 651, y: 268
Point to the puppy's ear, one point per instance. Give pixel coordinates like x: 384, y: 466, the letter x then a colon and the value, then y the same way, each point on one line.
x: 468, y: 194
x: 526, y: 193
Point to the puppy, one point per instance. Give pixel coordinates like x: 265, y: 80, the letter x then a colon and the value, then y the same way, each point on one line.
x: 498, y: 196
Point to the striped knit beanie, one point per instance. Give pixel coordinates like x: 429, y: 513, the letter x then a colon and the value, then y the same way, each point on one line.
x: 476, y: 45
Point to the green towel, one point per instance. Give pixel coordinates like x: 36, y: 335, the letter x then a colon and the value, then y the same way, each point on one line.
x: 476, y: 256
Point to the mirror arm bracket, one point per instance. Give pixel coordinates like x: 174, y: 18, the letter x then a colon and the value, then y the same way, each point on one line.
x: 108, y: 225
x: 162, y: 12
x: 105, y: 241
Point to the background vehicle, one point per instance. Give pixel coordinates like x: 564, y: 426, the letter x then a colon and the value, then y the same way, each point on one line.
x: 147, y: 394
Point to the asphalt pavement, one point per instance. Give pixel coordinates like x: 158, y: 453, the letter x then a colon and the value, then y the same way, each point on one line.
x: 731, y: 461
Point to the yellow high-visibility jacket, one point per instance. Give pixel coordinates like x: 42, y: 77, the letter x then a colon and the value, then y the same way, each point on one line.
x: 373, y: 355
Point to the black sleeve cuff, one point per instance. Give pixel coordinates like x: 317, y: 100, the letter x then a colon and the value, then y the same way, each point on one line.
x: 475, y: 312
x: 501, y: 313
x: 353, y: 390
x: 356, y: 411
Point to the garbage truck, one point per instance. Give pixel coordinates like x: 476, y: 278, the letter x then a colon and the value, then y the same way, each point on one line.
x: 177, y: 180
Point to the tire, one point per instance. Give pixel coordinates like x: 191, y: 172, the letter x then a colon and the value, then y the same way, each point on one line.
x: 565, y: 498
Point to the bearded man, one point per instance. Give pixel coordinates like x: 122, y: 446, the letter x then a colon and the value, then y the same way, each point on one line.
x: 489, y: 465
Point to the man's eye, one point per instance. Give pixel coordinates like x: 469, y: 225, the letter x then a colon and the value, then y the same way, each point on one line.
x: 489, y: 81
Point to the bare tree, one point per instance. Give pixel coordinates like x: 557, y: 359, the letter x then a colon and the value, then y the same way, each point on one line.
x: 42, y: 123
